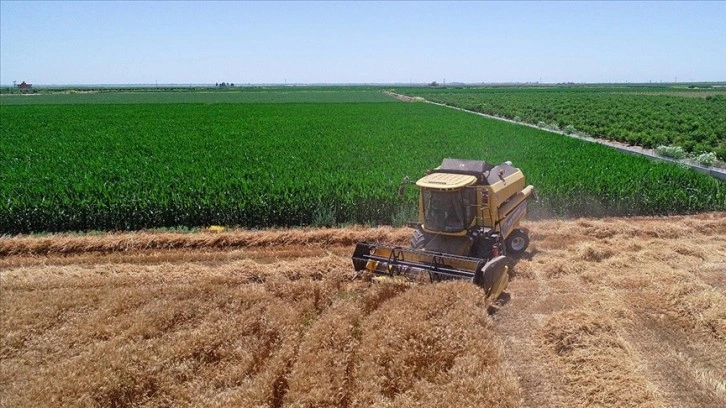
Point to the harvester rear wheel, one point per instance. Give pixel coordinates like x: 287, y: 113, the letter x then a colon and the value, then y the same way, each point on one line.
x: 517, y: 242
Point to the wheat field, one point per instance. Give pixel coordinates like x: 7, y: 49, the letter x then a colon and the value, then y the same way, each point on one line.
x: 599, y: 312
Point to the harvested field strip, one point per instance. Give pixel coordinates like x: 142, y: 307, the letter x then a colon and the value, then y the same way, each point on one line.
x: 62, y: 244
x: 599, y: 364
x: 600, y: 312
x: 67, y: 244
x: 653, y: 290
x: 681, y: 366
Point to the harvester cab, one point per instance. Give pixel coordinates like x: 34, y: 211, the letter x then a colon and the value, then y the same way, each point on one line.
x: 468, y: 218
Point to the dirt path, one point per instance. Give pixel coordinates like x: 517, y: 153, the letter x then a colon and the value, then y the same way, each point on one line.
x: 518, y: 323
x: 716, y: 172
x: 686, y: 372
x: 611, y: 312
x: 653, y: 283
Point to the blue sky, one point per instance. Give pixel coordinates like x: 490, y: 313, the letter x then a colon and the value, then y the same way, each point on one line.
x: 360, y: 42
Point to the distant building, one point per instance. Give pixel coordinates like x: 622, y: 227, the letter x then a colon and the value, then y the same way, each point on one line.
x: 23, y: 85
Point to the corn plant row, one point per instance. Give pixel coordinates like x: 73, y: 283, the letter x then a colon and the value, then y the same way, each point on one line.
x: 136, y: 166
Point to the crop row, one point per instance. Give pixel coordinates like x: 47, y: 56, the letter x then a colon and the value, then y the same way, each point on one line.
x: 291, y: 94
x: 134, y: 166
x: 648, y: 119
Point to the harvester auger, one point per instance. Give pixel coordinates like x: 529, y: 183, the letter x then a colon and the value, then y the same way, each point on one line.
x: 468, y: 218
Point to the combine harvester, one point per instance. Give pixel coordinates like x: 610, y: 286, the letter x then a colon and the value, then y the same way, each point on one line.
x: 468, y: 218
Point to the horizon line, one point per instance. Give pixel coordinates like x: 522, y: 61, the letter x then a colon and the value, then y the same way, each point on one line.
x: 283, y: 84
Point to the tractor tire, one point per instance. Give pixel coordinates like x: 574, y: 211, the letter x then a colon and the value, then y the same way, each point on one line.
x: 517, y: 242
x: 418, y: 240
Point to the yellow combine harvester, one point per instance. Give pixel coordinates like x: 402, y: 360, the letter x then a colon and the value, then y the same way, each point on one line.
x: 468, y: 216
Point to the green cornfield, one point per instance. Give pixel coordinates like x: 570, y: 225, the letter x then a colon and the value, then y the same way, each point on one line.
x: 693, y: 119
x: 129, y: 166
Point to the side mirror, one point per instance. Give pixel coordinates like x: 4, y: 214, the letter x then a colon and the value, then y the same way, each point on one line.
x: 402, y: 186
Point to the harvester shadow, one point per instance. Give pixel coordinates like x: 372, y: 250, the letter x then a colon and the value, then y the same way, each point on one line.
x: 505, y: 297
x: 502, y: 300
x: 527, y: 255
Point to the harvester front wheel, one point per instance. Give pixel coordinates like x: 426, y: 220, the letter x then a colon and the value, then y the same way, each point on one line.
x: 517, y: 242
x: 418, y: 240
